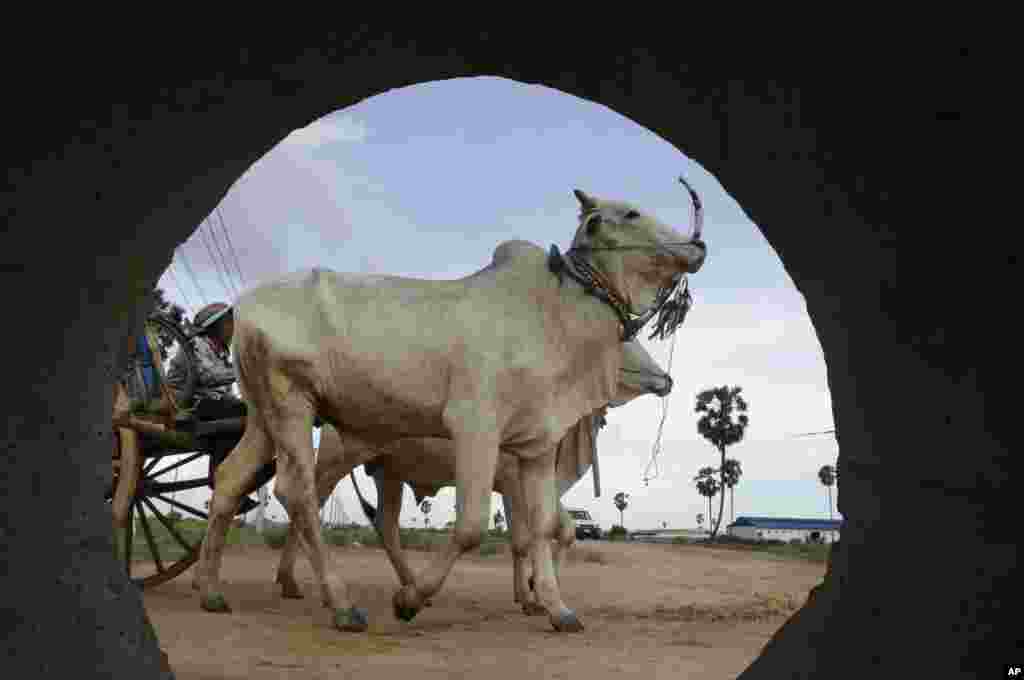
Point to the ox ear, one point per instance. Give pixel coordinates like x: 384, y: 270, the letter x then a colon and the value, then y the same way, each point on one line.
x: 586, y: 202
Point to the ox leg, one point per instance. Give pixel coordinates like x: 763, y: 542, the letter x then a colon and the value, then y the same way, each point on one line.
x: 331, y: 468
x: 296, y: 490
x: 389, y: 491
x: 519, y: 537
x: 516, y: 516
x: 566, y: 537
x: 233, y: 478
x: 476, y: 460
x: 539, y: 493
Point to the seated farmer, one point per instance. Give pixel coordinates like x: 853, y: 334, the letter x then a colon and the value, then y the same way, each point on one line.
x: 213, y: 397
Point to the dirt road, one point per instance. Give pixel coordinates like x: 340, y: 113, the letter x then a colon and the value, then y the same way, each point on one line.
x: 657, y: 610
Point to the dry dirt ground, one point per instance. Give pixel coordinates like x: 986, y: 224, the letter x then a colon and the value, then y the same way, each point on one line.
x: 657, y: 611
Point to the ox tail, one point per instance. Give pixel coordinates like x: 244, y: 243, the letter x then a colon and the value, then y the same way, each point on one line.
x: 368, y: 510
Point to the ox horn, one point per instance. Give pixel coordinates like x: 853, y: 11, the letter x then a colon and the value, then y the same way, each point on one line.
x: 698, y: 211
x: 586, y: 202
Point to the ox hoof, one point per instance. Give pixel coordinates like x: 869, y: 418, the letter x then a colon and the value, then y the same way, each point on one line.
x: 404, y: 604
x: 567, y: 622
x: 354, y: 620
x: 428, y: 603
x: 533, y: 609
x: 215, y: 603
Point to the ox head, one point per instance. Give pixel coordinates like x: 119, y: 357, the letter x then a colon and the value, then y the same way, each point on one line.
x: 639, y: 375
x: 638, y: 257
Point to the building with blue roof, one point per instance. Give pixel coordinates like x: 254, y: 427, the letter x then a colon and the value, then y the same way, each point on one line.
x: 786, y: 529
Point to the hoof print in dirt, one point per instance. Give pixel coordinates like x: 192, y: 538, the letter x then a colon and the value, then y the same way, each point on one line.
x: 354, y: 620
x: 567, y: 622
x: 216, y: 604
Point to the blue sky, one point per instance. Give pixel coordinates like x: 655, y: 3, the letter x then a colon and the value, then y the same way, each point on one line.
x: 425, y: 181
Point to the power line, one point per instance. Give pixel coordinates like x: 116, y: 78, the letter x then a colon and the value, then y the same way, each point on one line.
x: 227, y: 235
x: 180, y: 251
x: 213, y: 260
x: 177, y: 285
x: 223, y: 260
x: 811, y: 434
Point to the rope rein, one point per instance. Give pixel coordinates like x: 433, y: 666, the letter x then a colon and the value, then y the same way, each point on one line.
x: 656, y: 448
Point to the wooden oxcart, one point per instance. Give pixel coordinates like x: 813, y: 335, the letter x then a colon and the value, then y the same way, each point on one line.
x: 155, y: 440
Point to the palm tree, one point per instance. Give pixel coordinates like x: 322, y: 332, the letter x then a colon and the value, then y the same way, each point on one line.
x: 827, y: 476
x: 733, y: 472
x: 425, y: 509
x: 719, y: 428
x: 621, y: 503
x: 707, y: 485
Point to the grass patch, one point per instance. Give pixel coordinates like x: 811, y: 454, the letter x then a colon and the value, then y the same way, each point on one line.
x: 618, y: 533
x: 811, y: 552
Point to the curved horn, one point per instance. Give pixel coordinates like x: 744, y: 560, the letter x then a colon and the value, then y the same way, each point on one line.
x: 698, y: 210
x: 586, y: 202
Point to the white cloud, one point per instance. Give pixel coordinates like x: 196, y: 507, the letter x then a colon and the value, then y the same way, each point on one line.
x: 327, y: 131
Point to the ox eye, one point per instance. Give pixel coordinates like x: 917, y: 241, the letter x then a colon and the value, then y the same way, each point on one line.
x: 593, y: 224
x: 632, y: 215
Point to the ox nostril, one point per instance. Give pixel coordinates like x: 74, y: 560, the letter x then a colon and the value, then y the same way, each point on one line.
x: 699, y: 243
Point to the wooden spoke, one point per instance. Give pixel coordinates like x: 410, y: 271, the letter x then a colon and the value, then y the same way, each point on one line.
x: 158, y: 488
x: 184, y: 461
x: 149, y: 537
x: 182, y: 506
x: 151, y: 464
x: 168, y: 525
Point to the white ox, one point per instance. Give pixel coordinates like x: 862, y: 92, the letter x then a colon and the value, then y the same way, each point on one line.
x: 511, y: 356
x: 428, y: 465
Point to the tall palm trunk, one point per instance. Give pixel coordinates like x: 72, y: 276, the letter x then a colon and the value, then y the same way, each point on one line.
x: 829, y: 502
x: 732, y: 503
x: 721, y: 501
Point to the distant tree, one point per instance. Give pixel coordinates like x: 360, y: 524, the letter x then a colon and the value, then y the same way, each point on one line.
x: 707, y: 485
x: 425, y: 509
x: 700, y: 520
x: 718, y: 427
x: 621, y: 503
x: 176, y: 313
x: 733, y: 472
x: 827, y: 476
x: 499, y: 521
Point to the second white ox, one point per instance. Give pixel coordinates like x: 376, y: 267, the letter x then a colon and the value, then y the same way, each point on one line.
x: 428, y: 465
x: 509, y: 357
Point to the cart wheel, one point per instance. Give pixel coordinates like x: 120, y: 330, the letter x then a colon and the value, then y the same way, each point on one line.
x: 168, y: 547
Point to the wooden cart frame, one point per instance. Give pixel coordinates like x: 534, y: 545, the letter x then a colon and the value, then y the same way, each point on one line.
x: 154, y: 437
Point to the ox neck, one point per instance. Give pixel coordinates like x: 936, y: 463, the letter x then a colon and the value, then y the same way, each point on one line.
x: 595, y: 284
